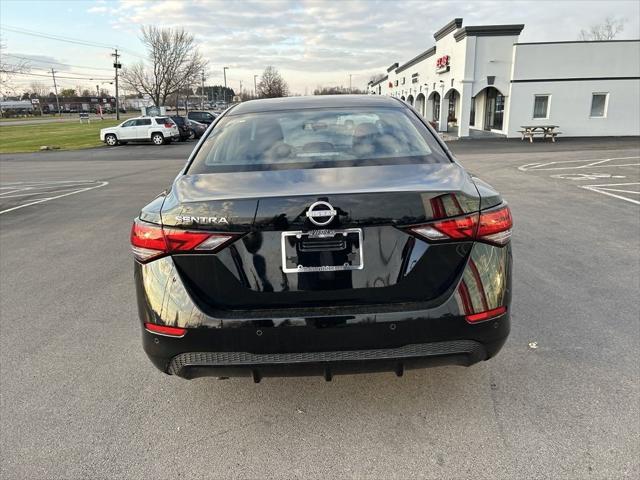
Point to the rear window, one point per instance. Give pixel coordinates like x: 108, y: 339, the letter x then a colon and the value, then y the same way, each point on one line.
x: 316, y: 138
x: 163, y: 120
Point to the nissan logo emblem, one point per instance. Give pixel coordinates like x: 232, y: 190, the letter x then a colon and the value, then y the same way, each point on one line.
x: 321, y: 213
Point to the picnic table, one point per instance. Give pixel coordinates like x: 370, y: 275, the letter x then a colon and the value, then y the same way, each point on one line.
x: 530, y: 131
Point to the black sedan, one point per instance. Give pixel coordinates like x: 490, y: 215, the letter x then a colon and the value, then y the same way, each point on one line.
x: 197, y: 129
x: 202, y: 117
x: 183, y: 127
x: 322, y: 235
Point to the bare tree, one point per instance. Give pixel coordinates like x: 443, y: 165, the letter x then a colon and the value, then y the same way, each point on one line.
x: 271, y: 84
x: 338, y: 91
x: 174, y: 62
x: 376, y: 77
x: 10, y: 70
x: 607, y: 30
x: 39, y: 89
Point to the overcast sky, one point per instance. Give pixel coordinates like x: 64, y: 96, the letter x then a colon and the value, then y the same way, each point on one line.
x: 311, y: 42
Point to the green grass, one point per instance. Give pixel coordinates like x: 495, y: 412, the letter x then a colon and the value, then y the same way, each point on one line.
x: 63, y: 135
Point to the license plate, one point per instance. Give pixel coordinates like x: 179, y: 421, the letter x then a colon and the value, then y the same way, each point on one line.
x: 322, y: 251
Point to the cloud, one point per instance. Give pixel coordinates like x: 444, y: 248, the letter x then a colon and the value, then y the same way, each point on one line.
x: 98, y: 9
x: 322, y: 42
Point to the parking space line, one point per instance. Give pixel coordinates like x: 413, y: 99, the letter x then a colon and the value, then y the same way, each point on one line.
x: 30, y: 194
x: 14, y: 191
x: 42, y: 200
x: 595, y: 163
x: 605, y: 190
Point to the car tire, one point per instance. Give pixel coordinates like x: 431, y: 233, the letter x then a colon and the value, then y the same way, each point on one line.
x: 157, y: 139
x: 111, y: 140
x: 192, y: 134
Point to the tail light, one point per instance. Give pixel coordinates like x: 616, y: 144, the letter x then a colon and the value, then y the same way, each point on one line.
x: 149, y: 241
x: 165, y: 330
x: 168, y: 124
x: 482, y: 316
x: 491, y: 226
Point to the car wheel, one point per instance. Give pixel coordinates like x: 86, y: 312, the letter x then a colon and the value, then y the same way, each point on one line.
x: 111, y: 140
x: 192, y: 134
x: 157, y: 139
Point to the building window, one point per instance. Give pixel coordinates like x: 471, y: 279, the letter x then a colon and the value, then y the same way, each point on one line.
x: 451, y: 114
x: 403, y: 78
x: 494, y: 109
x: 541, y: 106
x: 599, y: 103
x: 472, y: 116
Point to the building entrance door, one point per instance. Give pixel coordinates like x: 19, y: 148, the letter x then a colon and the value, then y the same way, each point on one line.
x: 494, y: 110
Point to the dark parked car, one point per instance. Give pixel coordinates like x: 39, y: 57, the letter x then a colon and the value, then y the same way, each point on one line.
x: 183, y: 127
x: 202, y: 117
x: 197, y: 128
x: 322, y: 235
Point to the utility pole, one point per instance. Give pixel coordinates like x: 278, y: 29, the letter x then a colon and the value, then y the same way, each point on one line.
x: 202, y: 93
x: 224, y: 72
x: 55, y: 89
x: 240, y: 87
x: 117, y: 65
x: 255, y: 88
x: 350, y: 83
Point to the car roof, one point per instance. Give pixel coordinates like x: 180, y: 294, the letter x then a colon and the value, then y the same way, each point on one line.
x: 315, y: 101
x: 142, y: 117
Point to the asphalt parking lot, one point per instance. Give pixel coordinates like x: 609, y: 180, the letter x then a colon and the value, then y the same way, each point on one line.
x: 79, y: 399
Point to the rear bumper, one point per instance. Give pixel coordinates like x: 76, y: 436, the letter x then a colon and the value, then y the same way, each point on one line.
x: 327, y: 364
x: 330, y: 340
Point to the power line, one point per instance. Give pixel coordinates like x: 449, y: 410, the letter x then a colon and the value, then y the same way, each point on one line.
x: 42, y: 75
x: 56, y: 63
x: 88, y: 76
x: 61, y: 38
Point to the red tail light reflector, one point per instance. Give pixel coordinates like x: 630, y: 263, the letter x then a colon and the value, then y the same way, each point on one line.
x: 495, y: 225
x: 479, y: 317
x: 165, y: 330
x: 459, y: 228
x: 150, y: 241
x: 492, y: 226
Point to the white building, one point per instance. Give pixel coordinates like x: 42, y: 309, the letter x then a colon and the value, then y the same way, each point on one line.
x: 480, y: 80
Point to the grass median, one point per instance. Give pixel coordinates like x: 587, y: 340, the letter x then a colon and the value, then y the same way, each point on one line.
x: 63, y: 135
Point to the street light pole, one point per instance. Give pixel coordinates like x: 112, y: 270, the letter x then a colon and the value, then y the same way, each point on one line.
x: 224, y: 72
x: 202, y: 93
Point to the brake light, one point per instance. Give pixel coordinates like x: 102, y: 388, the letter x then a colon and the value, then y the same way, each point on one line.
x: 150, y: 241
x: 165, y: 330
x: 461, y: 228
x: 479, y: 317
x: 491, y: 226
x: 168, y: 125
x: 495, y: 225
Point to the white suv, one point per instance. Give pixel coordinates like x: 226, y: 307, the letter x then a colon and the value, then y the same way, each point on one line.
x: 158, y: 130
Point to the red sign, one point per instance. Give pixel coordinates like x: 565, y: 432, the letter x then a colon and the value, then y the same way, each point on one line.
x: 442, y: 64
